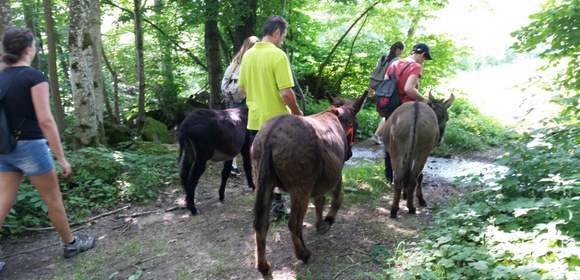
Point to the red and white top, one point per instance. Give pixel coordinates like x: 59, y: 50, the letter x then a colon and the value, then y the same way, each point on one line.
x: 413, y: 69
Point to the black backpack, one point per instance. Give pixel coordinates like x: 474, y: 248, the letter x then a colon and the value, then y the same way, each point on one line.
x: 387, y: 95
x: 7, y: 139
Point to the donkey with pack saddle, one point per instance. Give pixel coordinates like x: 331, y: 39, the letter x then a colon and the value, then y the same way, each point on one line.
x: 410, y: 134
x: 216, y: 135
x: 303, y: 156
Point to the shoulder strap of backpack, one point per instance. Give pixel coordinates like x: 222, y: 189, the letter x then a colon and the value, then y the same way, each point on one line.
x: 404, y: 68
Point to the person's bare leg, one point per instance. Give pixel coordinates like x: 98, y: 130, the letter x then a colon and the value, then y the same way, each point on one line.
x: 9, y: 185
x: 49, y: 190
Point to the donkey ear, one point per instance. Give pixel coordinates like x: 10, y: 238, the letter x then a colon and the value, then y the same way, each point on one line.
x: 449, y: 101
x: 360, y: 102
x: 431, y: 98
x: 330, y: 98
x: 335, y: 110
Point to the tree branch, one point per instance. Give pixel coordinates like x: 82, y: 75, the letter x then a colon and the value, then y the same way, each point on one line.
x: 174, y: 42
x: 327, y: 60
x: 344, y: 74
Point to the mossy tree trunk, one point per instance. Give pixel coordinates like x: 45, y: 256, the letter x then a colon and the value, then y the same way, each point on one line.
x: 4, y: 22
x: 84, y: 62
x: 4, y: 15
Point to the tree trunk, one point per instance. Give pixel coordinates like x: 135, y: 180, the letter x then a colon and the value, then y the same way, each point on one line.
x: 168, y: 93
x: 247, y: 22
x: 30, y: 21
x: 52, y: 70
x: 139, y: 62
x: 212, y: 52
x: 4, y: 22
x: 4, y: 15
x: 225, y: 49
x: 116, y: 114
x: 82, y: 46
x: 106, y: 98
x: 413, y: 27
x: 95, y: 31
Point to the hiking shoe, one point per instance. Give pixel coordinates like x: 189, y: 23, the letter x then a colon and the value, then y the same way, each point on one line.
x: 236, y: 172
x: 80, y: 244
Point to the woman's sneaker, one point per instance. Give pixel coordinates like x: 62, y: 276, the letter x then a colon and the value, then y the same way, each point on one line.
x: 236, y: 171
x: 80, y: 244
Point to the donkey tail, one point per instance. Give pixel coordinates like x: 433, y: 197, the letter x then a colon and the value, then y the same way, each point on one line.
x: 264, y: 190
x: 410, y: 176
x: 186, y: 158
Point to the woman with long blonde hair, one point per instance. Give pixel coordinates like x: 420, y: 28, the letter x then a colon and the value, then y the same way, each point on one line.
x: 233, y: 96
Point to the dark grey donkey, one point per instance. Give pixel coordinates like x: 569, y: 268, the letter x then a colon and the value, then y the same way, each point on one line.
x: 216, y: 135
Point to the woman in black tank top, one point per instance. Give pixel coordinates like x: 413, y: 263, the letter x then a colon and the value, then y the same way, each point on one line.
x: 26, y: 104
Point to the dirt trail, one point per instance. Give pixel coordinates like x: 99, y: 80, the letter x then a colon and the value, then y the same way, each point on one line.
x: 218, y: 243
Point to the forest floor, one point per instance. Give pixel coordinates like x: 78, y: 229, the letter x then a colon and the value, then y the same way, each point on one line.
x: 219, y: 243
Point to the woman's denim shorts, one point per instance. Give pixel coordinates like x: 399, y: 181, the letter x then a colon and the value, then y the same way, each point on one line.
x: 31, y: 157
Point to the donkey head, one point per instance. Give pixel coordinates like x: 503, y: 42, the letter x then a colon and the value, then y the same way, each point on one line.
x: 346, y: 111
x: 440, y: 108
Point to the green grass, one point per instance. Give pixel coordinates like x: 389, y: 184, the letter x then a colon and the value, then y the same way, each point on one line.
x: 364, y: 183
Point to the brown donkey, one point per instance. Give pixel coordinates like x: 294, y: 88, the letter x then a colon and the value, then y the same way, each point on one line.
x: 303, y: 156
x: 410, y: 134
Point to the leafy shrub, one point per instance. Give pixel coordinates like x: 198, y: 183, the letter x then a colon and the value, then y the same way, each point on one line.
x: 468, y: 130
x: 156, y: 131
x: 102, y: 178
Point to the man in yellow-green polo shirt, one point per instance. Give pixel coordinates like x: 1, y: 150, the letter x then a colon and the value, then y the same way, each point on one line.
x: 266, y: 79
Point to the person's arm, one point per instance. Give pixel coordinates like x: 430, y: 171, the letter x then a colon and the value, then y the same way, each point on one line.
x: 290, y: 100
x: 411, y: 88
x: 40, y: 100
x: 285, y: 83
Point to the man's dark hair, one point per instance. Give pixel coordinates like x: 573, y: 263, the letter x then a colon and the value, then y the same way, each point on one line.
x: 274, y: 23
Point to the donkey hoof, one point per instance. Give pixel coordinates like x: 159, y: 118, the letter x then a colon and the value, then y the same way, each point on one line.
x: 394, y: 213
x: 193, y: 211
x: 264, y: 268
x: 323, y: 227
x: 422, y: 203
x: 303, y: 256
x: 412, y: 211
